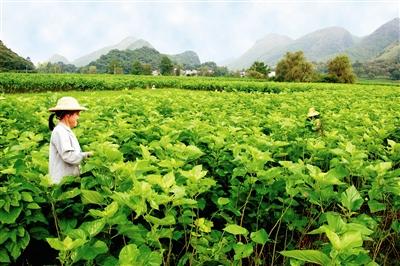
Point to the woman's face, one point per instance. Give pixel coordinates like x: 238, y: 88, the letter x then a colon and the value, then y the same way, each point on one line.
x: 72, y: 119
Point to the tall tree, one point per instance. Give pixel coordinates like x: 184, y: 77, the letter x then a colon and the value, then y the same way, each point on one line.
x: 294, y: 67
x: 137, y: 68
x: 147, y: 69
x: 260, y: 67
x: 166, y: 66
x: 340, y: 69
x: 115, y: 66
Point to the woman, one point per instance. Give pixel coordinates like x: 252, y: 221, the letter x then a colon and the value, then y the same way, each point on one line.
x: 65, y: 153
x: 313, y: 121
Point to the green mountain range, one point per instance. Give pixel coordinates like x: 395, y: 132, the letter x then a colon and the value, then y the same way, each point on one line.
x: 10, y: 61
x: 123, y: 51
x: 128, y: 43
x: 145, y: 55
x: 323, y: 44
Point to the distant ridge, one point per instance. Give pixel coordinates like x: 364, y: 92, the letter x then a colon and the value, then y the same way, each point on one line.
x: 323, y: 44
x: 58, y: 58
x: 131, y: 43
x: 10, y: 61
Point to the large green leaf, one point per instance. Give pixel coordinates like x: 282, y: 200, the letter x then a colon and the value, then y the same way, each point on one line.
x: 129, y: 255
x: 69, y: 194
x: 91, y: 197
x: 90, y: 251
x: 313, y: 256
x: 242, y: 250
x: 376, y: 206
x: 236, y: 229
x: 167, y: 220
x: 93, y: 227
x: 351, y: 199
x: 11, y: 216
x: 66, y: 244
x: 260, y: 236
x: 4, y: 256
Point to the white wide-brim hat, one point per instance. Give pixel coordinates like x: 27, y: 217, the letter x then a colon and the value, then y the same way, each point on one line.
x: 312, y: 112
x: 67, y: 104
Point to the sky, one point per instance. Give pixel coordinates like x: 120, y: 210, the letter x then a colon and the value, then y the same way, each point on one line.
x: 216, y: 30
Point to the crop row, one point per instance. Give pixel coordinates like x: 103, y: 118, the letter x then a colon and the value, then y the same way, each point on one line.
x: 22, y: 83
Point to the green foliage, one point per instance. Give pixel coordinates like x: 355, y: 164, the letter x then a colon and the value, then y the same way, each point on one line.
x: 166, y: 66
x: 229, y: 178
x: 294, y: 67
x: 254, y: 74
x: 377, y: 69
x: 260, y: 68
x: 124, y: 60
x: 340, y: 69
x: 137, y: 68
x: 11, y: 82
x: 59, y: 67
x: 10, y: 61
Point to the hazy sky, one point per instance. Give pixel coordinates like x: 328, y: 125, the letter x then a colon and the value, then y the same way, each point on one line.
x: 215, y: 30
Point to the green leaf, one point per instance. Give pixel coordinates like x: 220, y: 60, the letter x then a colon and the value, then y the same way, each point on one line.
x: 3, y: 237
x: 91, y: 251
x: 376, y: 206
x: 352, y: 239
x: 108, y: 212
x: 55, y: 243
x: 94, y: 227
x: 335, y: 222
x: 11, y: 216
x: 128, y: 255
x: 33, y: 205
x: 260, y: 236
x: 10, y: 171
x: 66, y: 244
x: 236, y: 229
x: 167, y: 220
x: 204, y: 225
x: 26, y: 196
x: 242, y: 250
x: 333, y: 238
x: 91, y: 197
x: 14, y: 249
x: 351, y: 199
x: 313, y: 256
x: 223, y: 201
x: 168, y: 180
x: 69, y: 194
x: 4, y: 256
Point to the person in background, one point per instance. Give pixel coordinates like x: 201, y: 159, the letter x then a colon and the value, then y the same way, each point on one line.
x: 65, y: 154
x: 313, y: 121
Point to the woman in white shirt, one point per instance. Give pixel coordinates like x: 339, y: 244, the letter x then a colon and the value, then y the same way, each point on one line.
x: 65, y: 153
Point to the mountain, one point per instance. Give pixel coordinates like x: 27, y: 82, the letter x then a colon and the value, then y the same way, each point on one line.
x: 323, y: 44
x: 10, y: 61
x: 144, y: 55
x: 128, y: 43
x: 58, y: 58
x: 391, y: 53
x: 188, y: 59
x: 261, y: 48
x: 374, y: 44
x: 125, y: 59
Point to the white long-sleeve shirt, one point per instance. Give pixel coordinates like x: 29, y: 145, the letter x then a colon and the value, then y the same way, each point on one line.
x: 65, y: 153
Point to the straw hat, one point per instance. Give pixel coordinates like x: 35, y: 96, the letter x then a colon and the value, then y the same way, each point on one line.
x: 312, y: 112
x: 67, y: 104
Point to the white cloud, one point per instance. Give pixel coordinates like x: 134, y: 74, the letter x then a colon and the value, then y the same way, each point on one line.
x: 214, y: 30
